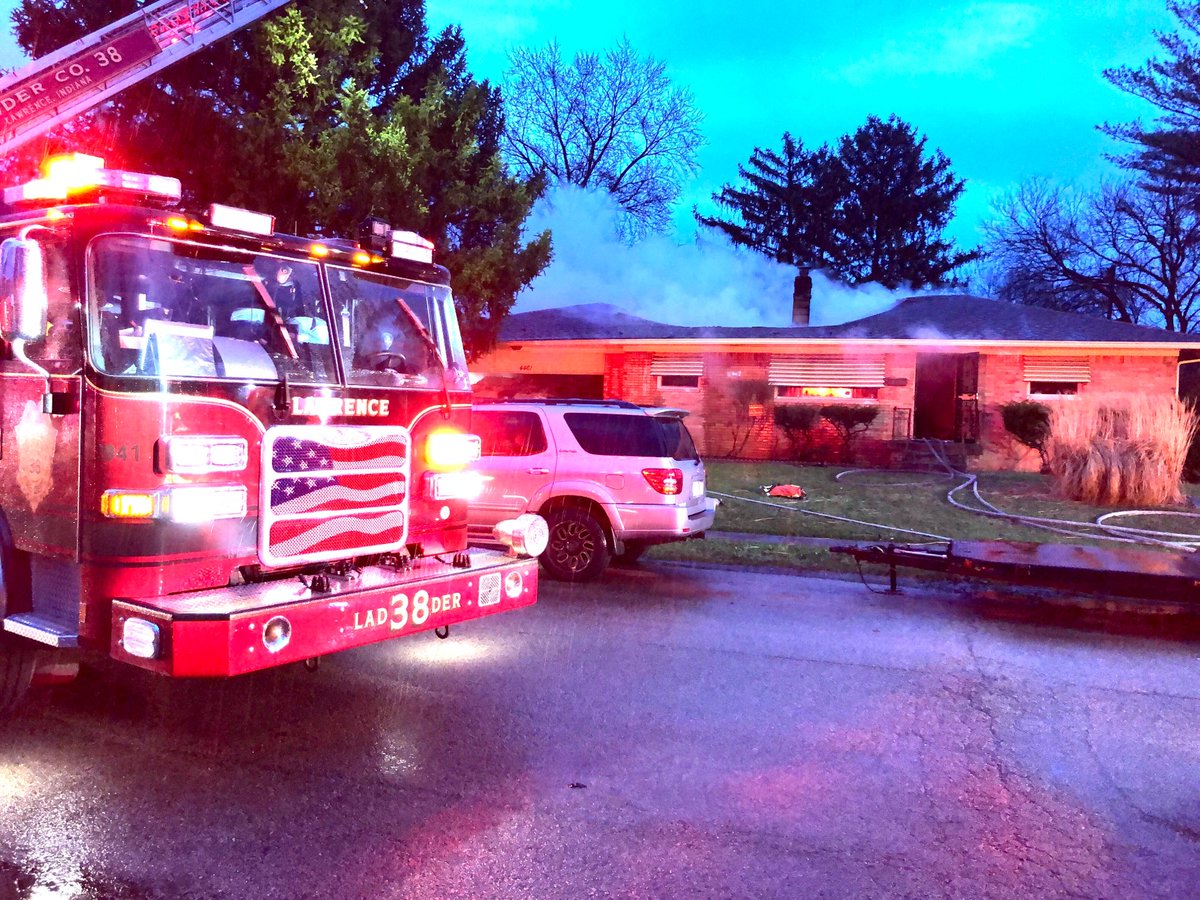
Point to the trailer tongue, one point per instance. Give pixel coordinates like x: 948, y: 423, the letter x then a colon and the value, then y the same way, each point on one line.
x: 1157, y: 575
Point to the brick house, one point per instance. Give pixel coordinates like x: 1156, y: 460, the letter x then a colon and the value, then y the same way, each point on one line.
x: 934, y: 367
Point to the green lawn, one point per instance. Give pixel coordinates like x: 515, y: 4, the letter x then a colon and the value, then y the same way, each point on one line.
x: 915, y: 501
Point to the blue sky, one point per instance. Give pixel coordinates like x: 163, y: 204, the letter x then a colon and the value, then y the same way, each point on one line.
x: 1007, y: 90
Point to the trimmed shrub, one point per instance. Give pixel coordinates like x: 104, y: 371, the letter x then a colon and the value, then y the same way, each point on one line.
x: 849, y: 422
x: 1029, y: 422
x: 798, y: 422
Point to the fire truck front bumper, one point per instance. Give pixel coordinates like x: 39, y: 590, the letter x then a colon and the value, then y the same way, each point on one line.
x: 240, y: 629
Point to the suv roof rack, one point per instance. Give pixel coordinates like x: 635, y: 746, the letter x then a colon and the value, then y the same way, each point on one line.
x: 569, y: 401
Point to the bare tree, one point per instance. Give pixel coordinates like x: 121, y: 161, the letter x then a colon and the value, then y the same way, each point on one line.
x: 614, y: 122
x: 1126, y: 252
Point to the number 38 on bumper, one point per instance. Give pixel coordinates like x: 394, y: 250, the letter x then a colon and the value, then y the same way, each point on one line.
x: 415, y: 609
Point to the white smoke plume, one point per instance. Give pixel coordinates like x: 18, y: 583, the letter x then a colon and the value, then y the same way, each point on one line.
x: 707, y: 282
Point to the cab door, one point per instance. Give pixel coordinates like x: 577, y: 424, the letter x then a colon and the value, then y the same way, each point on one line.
x: 39, y: 420
x: 518, y: 458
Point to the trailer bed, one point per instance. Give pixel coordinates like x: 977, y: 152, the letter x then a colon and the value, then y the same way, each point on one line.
x: 1107, y: 571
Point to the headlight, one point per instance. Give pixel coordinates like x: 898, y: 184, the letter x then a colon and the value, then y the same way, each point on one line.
x: 451, y: 449
x: 140, y: 638
x: 201, y: 503
x: 192, y: 503
x: 453, y: 485
x: 195, y: 454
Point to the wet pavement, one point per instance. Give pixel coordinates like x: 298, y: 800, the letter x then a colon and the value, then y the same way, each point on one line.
x: 673, y: 731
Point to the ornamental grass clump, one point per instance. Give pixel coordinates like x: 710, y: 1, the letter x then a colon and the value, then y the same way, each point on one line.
x: 1124, y: 450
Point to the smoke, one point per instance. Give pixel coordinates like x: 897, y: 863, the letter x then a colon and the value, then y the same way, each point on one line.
x: 706, y: 282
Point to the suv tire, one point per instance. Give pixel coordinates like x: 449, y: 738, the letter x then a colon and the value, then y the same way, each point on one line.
x: 578, y: 549
x: 17, y: 658
x: 633, y: 552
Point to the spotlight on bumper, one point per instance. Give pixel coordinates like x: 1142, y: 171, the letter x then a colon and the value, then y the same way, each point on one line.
x: 526, y: 535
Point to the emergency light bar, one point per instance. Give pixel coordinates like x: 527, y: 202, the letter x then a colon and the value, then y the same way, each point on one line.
x: 222, y: 216
x: 77, y: 173
x: 410, y: 245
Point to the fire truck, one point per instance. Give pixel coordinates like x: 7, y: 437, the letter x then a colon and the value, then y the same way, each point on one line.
x: 223, y: 448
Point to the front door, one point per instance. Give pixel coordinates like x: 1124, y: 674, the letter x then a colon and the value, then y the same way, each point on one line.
x: 945, y: 402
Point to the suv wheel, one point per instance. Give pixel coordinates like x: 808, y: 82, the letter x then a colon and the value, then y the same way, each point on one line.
x: 633, y: 552
x: 577, y: 550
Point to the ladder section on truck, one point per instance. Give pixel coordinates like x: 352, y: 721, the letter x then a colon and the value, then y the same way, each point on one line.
x: 59, y: 86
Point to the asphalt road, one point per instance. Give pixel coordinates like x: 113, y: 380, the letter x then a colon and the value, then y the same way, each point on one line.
x: 671, y: 732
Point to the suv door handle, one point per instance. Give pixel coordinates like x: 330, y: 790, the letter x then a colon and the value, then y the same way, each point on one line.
x: 538, y: 471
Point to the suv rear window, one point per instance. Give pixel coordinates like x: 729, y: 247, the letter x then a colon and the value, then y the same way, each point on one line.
x: 605, y: 434
x: 678, y: 439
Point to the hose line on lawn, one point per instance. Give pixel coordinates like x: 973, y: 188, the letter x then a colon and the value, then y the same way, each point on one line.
x: 809, y: 512
x: 1098, y: 530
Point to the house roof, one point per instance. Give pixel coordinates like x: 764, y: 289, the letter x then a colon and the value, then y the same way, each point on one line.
x: 953, y: 317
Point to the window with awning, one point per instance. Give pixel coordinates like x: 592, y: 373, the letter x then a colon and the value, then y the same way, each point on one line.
x: 1051, y: 375
x: 1077, y: 369
x: 677, y: 370
x: 820, y: 371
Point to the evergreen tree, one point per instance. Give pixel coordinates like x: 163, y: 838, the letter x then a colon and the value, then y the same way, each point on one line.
x: 326, y: 113
x: 873, y: 210
x: 782, y: 205
x: 1170, y: 150
x: 897, y: 201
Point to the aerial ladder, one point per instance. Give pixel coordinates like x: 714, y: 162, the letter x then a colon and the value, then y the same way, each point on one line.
x: 61, y: 85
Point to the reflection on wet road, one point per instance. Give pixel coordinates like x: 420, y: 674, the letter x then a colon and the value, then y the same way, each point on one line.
x: 671, y: 731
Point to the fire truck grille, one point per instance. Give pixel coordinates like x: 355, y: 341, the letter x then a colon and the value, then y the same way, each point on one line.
x: 331, y: 492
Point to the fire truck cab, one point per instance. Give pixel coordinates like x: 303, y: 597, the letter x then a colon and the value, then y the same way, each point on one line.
x: 223, y: 448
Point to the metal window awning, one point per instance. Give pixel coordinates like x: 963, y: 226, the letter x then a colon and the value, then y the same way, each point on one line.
x: 1077, y: 369
x: 827, y: 371
x: 676, y: 364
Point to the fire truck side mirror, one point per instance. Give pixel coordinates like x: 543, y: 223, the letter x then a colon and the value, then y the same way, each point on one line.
x: 22, y: 290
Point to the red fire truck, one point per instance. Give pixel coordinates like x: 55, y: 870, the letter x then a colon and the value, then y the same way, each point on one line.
x: 223, y: 448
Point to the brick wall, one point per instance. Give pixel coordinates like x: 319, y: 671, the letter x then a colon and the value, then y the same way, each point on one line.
x: 721, y: 429
x: 1002, y: 380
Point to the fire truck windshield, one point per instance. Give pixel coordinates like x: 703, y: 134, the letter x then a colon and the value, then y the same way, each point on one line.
x: 177, y: 309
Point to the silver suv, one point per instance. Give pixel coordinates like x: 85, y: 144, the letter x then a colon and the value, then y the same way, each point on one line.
x: 611, y: 478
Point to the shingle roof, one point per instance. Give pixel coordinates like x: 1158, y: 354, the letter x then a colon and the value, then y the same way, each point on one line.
x: 946, y: 317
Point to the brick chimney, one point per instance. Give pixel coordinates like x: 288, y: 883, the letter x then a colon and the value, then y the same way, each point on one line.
x: 802, y: 297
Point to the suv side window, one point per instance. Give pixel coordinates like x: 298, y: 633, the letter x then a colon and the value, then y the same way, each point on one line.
x: 606, y: 434
x: 505, y: 433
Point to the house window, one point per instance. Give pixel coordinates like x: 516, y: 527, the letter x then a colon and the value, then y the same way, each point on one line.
x: 1056, y: 375
x: 677, y: 370
x: 789, y: 391
x: 826, y: 377
x: 679, y: 381
x: 1041, y: 388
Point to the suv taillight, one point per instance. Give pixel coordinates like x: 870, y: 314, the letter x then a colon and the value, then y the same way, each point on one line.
x: 665, y: 481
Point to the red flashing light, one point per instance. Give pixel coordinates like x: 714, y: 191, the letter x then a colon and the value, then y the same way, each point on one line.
x: 77, y: 173
x: 318, y: 250
x: 665, y: 481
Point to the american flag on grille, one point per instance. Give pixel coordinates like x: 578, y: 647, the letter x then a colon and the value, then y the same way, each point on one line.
x: 334, y: 492
x: 339, y: 450
x: 328, y: 493
x: 344, y: 535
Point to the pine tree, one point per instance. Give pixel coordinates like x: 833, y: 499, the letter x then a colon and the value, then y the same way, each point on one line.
x: 897, y: 203
x: 782, y: 205
x: 1169, y: 151
x: 326, y: 113
x: 874, y: 210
